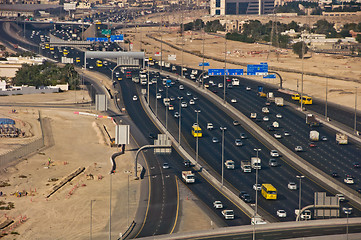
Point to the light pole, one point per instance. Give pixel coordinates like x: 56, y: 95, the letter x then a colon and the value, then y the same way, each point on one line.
x: 225, y: 69
x: 197, y: 111
x: 110, y: 206
x: 326, y: 99
x: 203, y: 58
x: 223, y: 129
x: 303, y: 53
x: 347, y: 211
x: 300, y: 192
x: 148, y: 86
x: 166, y: 109
x: 354, y: 126
x: 257, y: 151
x: 156, y: 100
x: 91, y: 219
x: 179, y: 120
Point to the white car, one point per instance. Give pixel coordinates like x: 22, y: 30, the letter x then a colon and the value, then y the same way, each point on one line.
x: 257, y: 187
x: 176, y: 114
x: 181, y: 87
x: 210, y: 126
x: 184, y: 104
x: 217, y: 204
x: 281, y: 213
x: 277, y: 135
x: 292, y: 186
x: 265, y: 119
x: 165, y: 165
x: 233, y: 100
x: 220, y: 85
x: 228, y: 214
x: 248, y: 88
x: 298, y: 149
x: 278, y: 115
x: 135, y: 98
x: 238, y: 142
x: 159, y: 96
x: 286, y: 133
x: 349, y: 180
x: 191, y: 102
x: 274, y: 153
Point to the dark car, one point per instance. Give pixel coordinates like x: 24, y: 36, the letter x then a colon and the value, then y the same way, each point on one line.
x: 334, y: 174
x: 152, y: 136
x: 245, y: 196
x: 187, y: 163
x: 356, y: 165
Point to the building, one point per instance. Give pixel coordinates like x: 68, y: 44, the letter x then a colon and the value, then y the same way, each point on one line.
x: 241, y: 7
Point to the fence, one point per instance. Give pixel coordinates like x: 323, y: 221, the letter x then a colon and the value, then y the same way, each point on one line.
x: 46, y: 139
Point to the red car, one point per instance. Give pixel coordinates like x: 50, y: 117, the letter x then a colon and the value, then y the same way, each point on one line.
x: 312, y: 144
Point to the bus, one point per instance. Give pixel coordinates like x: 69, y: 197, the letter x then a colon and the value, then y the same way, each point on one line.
x: 99, y: 63
x: 196, y: 131
x: 295, y: 97
x: 306, y: 100
x: 268, y: 191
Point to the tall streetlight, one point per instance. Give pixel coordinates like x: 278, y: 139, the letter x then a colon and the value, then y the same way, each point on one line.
x: 197, y: 111
x: 202, y: 79
x: 156, y: 100
x: 225, y: 69
x: 179, y: 120
x: 326, y: 99
x: 354, y: 126
x: 110, y: 206
x: 300, y: 192
x: 347, y: 211
x: 223, y: 129
x: 303, y: 53
x: 91, y: 219
x: 166, y: 109
x: 257, y: 150
x: 148, y: 86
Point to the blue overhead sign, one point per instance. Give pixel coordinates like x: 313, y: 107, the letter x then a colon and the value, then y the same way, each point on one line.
x: 215, y: 72
x: 117, y: 38
x: 97, y: 39
x: 257, y: 69
x: 270, y: 76
x: 234, y: 72
x: 206, y: 64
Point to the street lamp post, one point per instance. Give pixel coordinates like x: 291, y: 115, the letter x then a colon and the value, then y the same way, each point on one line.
x: 197, y: 111
x: 300, y: 192
x: 223, y: 129
x: 355, y: 127
x: 148, y: 86
x: 91, y: 219
x: 180, y: 120
x: 166, y: 109
x: 225, y: 69
x: 347, y: 211
x: 156, y: 100
x: 326, y: 99
x: 255, y: 212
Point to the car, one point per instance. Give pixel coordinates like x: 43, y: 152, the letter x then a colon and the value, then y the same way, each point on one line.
x: 312, y: 144
x: 229, y: 86
x: 189, y: 93
x: 187, y: 163
x: 91, y: 67
x: 210, y: 126
x: 214, y: 91
x: 324, y: 138
x: 274, y: 153
x: 243, y: 135
x: 286, y: 133
x: 195, y: 98
x: 265, y: 119
x: 257, y: 187
x: 233, y: 100
x: 228, y: 214
x: 238, y: 142
x: 217, y: 204
x: 165, y: 165
x: 152, y: 136
x: 340, y: 197
x: 272, y: 162
x: 159, y: 96
x: 192, y: 102
x: 267, y: 103
x: 292, y: 186
x: 281, y: 213
x: 135, y: 98
x: 246, y: 197
x: 298, y: 148
x: 356, y: 165
x: 334, y: 174
x: 248, y: 88
x: 347, y: 210
x: 236, y: 123
x: 160, y: 90
x: 215, y: 140
x: 277, y: 135
x: 172, y: 98
x: 211, y: 82
x: 220, y: 85
x: 171, y: 107
x: 184, y: 105
x: 349, y: 180
x: 181, y: 87
x: 278, y: 115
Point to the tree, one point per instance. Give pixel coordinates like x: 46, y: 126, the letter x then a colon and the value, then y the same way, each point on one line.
x: 358, y: 38
x: 297, y: 48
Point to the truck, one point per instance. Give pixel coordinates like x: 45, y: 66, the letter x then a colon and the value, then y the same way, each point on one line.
x: 305, y: 215
x: 270, y: 97
x: 235, y: 81
x: 246, y: 166
x: 256, y: 163
x: 279, y: 101
x: 314, y: 135
x: 229, y: 164
x: 188, y: 177
x: 312, y: 121
x: 341, y: 138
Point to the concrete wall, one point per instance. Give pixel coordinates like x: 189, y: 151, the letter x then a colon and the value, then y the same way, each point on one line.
x: 28, y: 90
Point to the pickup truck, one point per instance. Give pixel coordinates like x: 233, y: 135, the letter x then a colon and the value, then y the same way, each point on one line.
x: 246, y: 166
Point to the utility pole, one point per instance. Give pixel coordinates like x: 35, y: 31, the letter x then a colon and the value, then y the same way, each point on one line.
x: 225, y: 69
x: 355, y: 124
x: 303, y: 53
x: 203, y: 57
